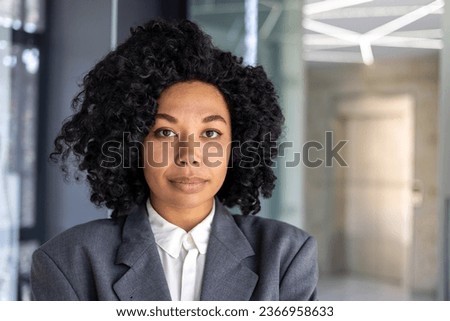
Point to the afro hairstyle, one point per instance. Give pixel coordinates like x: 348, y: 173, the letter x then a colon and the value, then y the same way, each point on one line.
x: 119, y: 95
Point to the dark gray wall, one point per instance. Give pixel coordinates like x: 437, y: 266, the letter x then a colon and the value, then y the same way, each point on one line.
x: 78, y: 35
x: 133, y: 13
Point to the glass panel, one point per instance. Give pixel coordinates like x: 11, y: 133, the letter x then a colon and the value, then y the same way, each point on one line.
x: 24, y: 14
x: 19, y: 66
x: 223, y: 21
x: 10, y: 13
x: 34, y: 16
x: 9, y: 176
x: 24, y: 96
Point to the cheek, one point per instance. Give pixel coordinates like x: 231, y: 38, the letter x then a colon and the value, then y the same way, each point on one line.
x: 154, y: 176
x: 156, y: 156
x: 215, y: 158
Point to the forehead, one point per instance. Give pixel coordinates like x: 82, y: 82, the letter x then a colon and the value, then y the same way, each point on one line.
x: 193, y: 97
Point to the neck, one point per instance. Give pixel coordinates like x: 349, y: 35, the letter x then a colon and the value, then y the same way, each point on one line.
x: 184, y: 217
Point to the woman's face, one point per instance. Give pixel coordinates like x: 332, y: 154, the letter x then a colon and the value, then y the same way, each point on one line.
x: 187, y: 150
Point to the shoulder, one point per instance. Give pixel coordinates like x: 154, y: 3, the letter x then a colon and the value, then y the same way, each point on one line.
x: 283, y: 252
x: 64, y: 268
x: 278, y: 240
x: 265, y: 228
x: 90, y: 236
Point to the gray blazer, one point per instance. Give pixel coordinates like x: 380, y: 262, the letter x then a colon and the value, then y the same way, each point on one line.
x: 248, y: 258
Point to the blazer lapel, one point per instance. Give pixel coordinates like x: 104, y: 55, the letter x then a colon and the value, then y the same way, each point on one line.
x: 225, y: 277
x: 145, y: 279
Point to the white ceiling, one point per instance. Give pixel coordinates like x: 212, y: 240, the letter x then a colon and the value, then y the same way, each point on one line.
x: 343, y: 31
x: 371, y: 30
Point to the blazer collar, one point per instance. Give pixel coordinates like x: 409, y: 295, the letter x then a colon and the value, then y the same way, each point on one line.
x: 144, y: 280
x: 225, y: 276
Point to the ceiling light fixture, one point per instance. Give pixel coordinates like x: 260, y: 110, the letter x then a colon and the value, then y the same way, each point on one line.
x: 328, y: 5
x: 366, y: 51
x: 403, y: 21
x: 375, y: 37
x: 333, y: 56
x: 330, y: 30
x: 368, y: 38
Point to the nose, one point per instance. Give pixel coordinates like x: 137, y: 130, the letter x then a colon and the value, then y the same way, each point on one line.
x: 187, y: 152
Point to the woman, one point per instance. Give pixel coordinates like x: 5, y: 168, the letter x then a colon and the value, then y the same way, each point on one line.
x: 169, y: 130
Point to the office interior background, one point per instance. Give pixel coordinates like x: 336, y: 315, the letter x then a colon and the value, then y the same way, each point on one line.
x: 372, y: 73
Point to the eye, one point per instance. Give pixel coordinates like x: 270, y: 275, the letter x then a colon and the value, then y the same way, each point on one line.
x: 165, y: 133
x: 211, y: 134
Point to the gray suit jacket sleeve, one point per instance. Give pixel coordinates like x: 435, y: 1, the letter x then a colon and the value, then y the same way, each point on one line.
x: 44, y: 287
x: 301, y: 276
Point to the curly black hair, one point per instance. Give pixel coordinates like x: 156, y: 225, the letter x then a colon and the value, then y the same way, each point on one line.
x: 119, y: 95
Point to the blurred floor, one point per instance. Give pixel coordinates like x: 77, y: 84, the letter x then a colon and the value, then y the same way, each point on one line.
x: 358, y: 288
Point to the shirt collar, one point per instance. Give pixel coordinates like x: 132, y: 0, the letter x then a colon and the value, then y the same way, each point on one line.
x: 170, y: 237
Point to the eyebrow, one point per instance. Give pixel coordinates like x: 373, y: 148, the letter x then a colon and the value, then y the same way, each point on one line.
x: 207, y: 119
x: 212, y: 118
x: 167, y: 117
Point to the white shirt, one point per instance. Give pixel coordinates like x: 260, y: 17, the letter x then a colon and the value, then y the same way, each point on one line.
x: 182, y: 254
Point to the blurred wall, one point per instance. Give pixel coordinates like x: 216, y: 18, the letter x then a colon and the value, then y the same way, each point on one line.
x: 416, y: 77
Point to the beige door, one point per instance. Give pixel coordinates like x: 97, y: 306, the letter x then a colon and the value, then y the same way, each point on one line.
x: 376, y: 186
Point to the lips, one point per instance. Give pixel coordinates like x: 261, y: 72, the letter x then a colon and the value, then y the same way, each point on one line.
x: 188, y: 180
x: 187, y: 184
